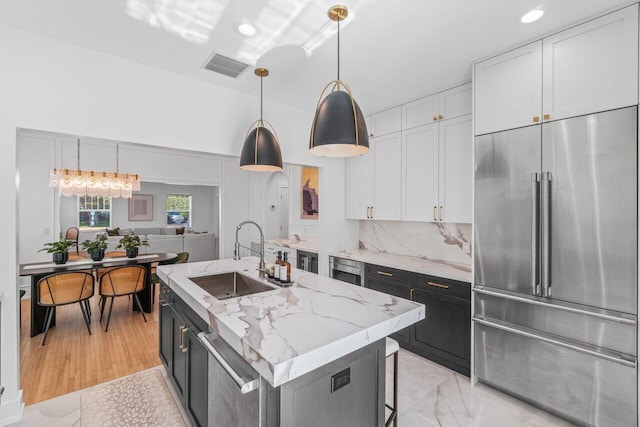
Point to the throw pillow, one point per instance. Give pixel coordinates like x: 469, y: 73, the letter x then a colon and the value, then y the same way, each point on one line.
x: 179, y: 230
x: 125, y: 232
x: 114, y: 232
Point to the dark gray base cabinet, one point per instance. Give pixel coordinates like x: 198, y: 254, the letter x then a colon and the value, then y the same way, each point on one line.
x: 444, y: 336
x: 184, y: 357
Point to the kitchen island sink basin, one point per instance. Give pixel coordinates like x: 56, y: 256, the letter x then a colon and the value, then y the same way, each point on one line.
x: 230, y: 285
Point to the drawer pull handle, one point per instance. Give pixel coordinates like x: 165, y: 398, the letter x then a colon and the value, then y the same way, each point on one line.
x: 438, y: 285
x: 411, y: 294
x: 384, y: 273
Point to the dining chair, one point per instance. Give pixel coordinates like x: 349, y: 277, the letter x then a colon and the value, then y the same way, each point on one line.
x: 181, y: 258
x: 72, y: 236
x: 64, y: 288
x: 120, y: 281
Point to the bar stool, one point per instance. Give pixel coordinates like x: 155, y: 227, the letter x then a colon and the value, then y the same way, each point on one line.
x: 392, y: 347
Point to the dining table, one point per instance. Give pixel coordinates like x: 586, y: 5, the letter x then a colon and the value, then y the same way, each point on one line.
x: 38, y: 270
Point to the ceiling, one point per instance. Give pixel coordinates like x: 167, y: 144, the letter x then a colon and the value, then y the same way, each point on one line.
x: 391, y: 51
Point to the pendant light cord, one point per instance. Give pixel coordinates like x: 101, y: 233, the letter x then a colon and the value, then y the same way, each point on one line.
x: 338, y: 50
x: 261, y: 77
x: 78, y: 153
x: 117, y: 159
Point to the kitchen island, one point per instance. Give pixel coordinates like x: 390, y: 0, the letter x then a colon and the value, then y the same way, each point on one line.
x: 312, y: 352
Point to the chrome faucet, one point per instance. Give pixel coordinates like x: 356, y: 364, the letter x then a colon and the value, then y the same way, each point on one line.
x: 236, y: 251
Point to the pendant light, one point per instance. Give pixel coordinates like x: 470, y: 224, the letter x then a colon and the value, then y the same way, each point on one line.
x: 338, y: 128
x: 91, y: 183
x: 261, y: 150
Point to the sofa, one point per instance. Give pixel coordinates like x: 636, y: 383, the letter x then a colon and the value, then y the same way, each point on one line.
x: 201, y: 246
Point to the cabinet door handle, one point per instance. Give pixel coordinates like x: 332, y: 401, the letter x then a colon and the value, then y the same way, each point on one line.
x: 370, y: 135
x: 440, y: 117
x: 435, y: 218
x: 441, y: 209
x: 371, y: 212
x: 163, y: 304
x: 411, y: 294
x: 435, y: 118
x: 368, y: 216
x: 384, y: 273
x: 183, y: 346
x: 438, y: 285
x: 546, y: 117
x: 536, y: 119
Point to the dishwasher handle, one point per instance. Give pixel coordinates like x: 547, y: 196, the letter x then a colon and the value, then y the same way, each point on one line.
x: 246, y: 383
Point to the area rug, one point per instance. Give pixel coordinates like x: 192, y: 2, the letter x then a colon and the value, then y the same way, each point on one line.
x: 142, y: 399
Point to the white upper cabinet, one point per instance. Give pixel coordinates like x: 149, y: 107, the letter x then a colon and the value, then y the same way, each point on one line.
x: 360, y: 185
x: 508, y: 90
x: 456, y: 170
x: 455, y: 102
x: 387, y: 178
x: 592, y: 67
x: 384, y: 123
x: 420, y: 112
x: 445, y: 105
x: 420, y: 173
x: 585, y: 69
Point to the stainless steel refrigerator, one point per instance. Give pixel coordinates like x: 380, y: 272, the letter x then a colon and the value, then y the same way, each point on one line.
x: 555, y: 256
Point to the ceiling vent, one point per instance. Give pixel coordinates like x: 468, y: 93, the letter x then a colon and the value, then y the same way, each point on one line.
x: 225, y: 65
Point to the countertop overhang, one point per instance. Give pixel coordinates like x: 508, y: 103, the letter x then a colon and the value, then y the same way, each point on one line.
x: 288, y: 332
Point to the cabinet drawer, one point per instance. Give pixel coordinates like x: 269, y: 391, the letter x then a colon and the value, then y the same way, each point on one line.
x: 387, y: 274
x: 385, y: 122
x: 440, y: 285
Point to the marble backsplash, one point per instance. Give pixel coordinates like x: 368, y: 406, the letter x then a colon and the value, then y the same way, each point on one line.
x: 437, y: 241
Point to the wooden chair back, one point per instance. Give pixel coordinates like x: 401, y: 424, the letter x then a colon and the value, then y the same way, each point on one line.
x: 123, y: 281
x: 64, y: 288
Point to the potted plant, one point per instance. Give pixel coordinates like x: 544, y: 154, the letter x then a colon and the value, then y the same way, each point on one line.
x: 96, y: 247
x: 59, y: 250
x: 131, y: 243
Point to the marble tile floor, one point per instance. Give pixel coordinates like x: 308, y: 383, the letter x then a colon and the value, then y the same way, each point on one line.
x: 429, y: 395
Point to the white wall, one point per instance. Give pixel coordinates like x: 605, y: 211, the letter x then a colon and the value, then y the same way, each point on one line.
x: 54, y: 86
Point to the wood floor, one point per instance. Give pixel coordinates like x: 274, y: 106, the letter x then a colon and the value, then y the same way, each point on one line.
x: 72, y: 359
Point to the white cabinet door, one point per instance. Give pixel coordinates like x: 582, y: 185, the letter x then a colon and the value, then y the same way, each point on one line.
x: 455, y: 102
x: 420, y: 112
x: 420, y: 173
x: 508, y: 90
x: 387, y: 180
x: 386, y: 122
x: 456, y: 170
x: 360, y: 185
x: 592, y: 67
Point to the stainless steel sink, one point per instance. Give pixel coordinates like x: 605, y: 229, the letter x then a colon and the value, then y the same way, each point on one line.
x: 230, y: 285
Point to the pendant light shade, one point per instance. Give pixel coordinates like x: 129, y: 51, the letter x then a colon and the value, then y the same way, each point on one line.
x: 261, y: 150
x: 338, y: 128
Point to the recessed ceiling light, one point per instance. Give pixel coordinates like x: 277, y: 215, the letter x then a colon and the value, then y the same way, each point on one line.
x: 245, y: 29
x: 532, y: 16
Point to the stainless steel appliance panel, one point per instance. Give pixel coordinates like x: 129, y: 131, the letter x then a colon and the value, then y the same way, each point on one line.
x: 587, y: 389
x: 592, y: 165
x: 504, y: 200
x: 347, y: 270
x: 603, y: 329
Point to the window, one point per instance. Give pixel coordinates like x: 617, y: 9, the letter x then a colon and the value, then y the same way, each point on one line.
x: 179, y: 209
x: 94, y: 212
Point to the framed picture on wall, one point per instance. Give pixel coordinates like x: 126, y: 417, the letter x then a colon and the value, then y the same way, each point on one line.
x: 141, y: 207
x: 310, y: 193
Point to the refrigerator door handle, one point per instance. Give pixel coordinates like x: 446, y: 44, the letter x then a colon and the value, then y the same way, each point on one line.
x: 535, y: 208
x: 546, y: 234
x: 599, y: 352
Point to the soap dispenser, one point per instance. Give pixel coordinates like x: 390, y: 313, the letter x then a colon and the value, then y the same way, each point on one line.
x: 276, y: 269
x: 285, y: 269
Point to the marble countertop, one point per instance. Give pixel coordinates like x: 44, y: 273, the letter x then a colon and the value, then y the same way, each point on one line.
x: 295, y: 243
x: 288, y: 332
x: 448, y: 270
